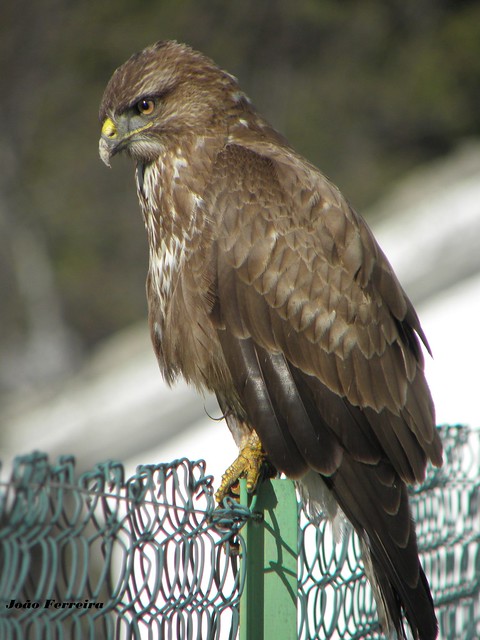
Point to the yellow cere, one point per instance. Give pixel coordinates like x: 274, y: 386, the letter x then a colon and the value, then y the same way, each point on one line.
x: 109, y: 129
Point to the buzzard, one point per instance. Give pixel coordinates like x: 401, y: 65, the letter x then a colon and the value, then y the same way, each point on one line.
x: 265, y: 287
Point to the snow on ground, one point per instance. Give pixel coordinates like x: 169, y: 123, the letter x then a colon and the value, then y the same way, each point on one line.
x: 451, y: 321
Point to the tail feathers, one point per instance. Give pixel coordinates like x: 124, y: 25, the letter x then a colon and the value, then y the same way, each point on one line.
x: 388, y: 605
x: 416, y: 604
x: 389, y: 547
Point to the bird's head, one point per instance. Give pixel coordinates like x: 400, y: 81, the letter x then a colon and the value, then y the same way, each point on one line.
x: 163, y: 92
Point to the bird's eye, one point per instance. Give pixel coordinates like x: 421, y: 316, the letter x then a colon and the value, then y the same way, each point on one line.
x: 146, y: 107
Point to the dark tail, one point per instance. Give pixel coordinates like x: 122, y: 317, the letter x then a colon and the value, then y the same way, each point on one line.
x: 375, y: 501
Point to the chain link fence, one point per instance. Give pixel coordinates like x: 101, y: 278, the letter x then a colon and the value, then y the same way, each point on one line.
x: 99, y: 556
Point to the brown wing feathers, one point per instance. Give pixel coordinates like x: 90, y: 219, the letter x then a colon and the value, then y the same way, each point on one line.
x: 328, y: 338
x: 271, y: 424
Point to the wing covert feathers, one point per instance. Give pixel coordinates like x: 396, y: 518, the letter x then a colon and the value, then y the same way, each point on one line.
x: 313, y: 285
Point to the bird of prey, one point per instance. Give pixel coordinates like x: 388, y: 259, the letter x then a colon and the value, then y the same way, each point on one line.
x: 266, y: 288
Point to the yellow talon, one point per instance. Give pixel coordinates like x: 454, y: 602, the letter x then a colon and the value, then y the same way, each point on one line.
x: 247, y: 465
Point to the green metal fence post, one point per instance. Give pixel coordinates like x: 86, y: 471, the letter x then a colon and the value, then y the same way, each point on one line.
x: 268, y: 608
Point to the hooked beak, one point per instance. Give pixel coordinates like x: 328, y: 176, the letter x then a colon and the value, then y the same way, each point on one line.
x: 109, y: 141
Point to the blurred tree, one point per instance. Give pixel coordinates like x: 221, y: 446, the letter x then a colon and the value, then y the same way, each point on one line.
x: 35, y: 342
x: 365, y: 90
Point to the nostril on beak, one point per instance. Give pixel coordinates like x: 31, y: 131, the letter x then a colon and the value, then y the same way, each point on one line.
x: 109, y: 129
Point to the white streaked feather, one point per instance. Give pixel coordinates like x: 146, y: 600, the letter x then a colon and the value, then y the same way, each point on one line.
x: 178, y: 163
x: 167, y: 253
x: 198, y: 200
x: 319, y: 501
x: 165, y: 261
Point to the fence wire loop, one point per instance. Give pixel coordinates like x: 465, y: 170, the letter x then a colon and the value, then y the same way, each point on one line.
x: 97, y: 555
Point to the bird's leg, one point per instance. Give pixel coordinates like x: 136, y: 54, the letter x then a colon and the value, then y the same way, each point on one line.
x: 247, y: 465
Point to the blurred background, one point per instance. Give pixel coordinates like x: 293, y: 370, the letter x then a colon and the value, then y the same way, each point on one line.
x: 382, y: 95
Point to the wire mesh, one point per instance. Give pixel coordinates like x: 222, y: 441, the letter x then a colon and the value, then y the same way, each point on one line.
x: 100, y: 556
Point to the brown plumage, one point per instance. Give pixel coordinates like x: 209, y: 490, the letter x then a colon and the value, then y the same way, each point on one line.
x: 265, y: 287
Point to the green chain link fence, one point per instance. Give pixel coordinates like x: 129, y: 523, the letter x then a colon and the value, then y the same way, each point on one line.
x: 99, y: 556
